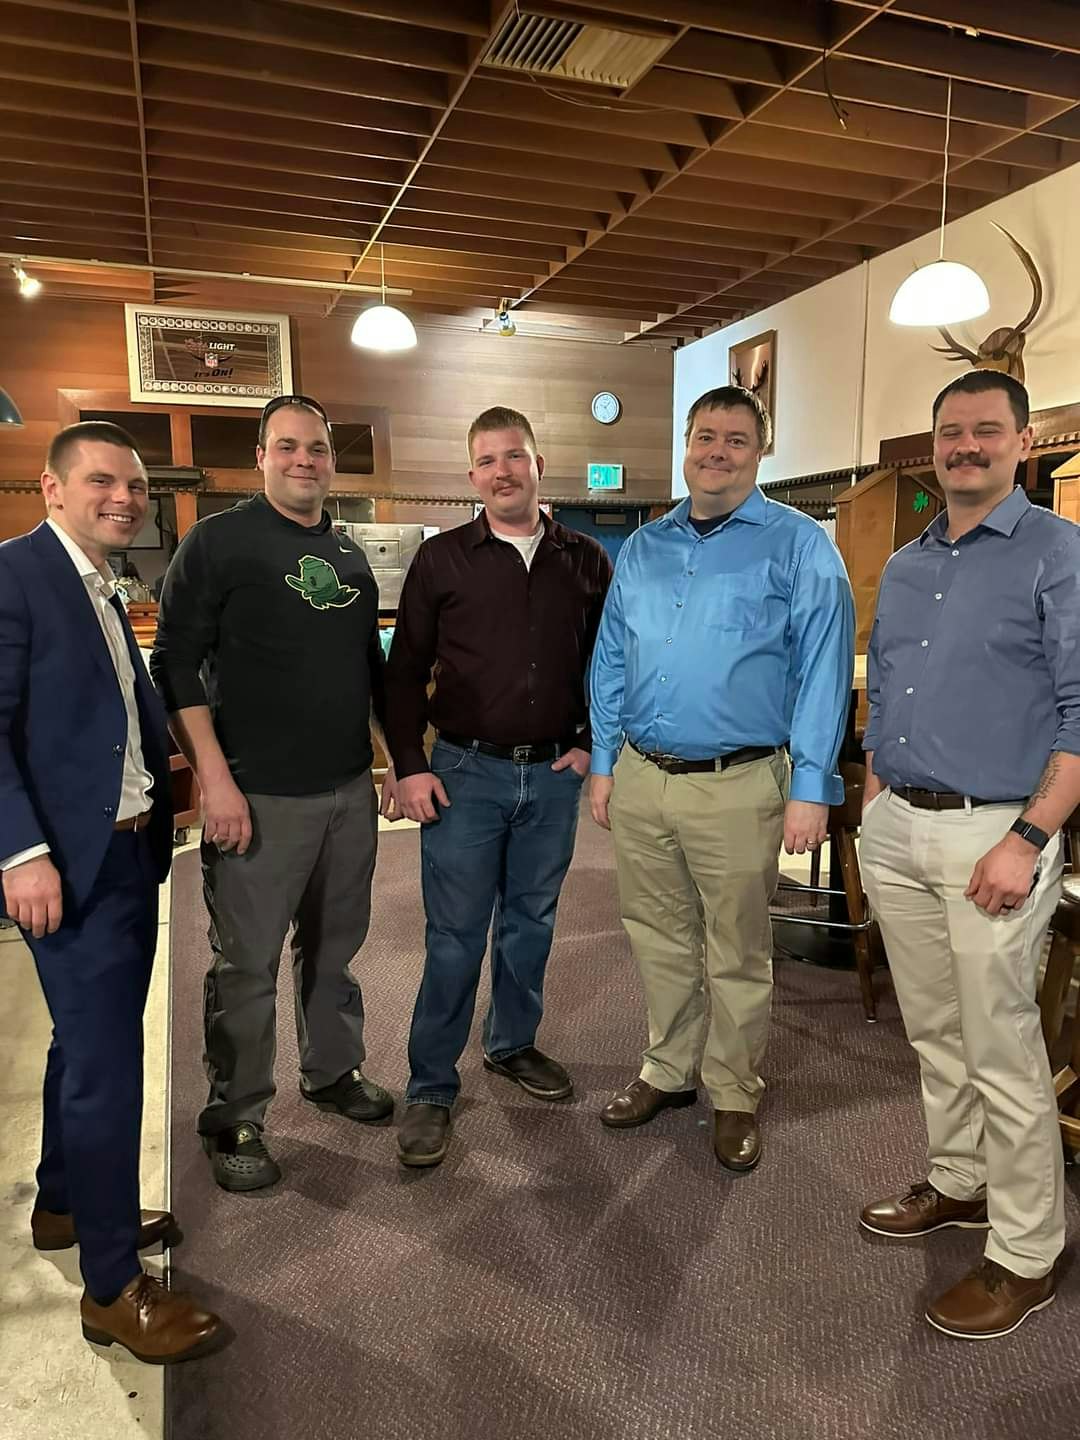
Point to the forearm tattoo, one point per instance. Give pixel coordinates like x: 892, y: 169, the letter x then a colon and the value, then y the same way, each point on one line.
x: 1048, y: 779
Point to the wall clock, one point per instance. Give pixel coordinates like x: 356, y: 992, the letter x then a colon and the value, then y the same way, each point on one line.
x: 606, y: 407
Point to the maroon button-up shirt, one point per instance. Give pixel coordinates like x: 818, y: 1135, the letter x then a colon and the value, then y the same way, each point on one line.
x: 509, y: 646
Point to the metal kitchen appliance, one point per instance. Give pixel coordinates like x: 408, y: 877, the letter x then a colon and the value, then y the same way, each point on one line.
x: 389, y: 549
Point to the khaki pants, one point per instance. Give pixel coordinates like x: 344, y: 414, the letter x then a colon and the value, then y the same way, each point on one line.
x: 966, y: 986
x: 697, y: 858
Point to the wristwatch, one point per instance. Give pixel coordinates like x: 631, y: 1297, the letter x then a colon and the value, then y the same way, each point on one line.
x: 1031, y: 833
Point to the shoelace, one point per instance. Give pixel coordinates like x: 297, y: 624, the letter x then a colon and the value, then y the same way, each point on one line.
x: 922, y: 1192
x: 147, y: 1297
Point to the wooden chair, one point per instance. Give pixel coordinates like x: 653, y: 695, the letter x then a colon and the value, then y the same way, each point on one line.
x: 844, y: 821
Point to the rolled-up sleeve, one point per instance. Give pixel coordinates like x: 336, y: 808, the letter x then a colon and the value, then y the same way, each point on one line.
x: 823, y: 651
x: 1059, y: 606
x: 187, y: 628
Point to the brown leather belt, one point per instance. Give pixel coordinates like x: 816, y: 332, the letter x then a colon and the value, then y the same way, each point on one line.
x: 675, y: 765
x: 944, y: 799
x: 134, y: 822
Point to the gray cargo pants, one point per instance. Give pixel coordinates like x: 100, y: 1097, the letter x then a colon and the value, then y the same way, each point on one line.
x: 309, y: 865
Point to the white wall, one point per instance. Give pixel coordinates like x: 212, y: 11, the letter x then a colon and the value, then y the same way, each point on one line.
x: 819, y: 337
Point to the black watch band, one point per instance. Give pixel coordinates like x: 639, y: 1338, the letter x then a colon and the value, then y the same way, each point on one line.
x: 1031, y: 833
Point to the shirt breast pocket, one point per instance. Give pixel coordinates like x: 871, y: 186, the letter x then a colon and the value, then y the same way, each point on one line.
x: 734, y: 601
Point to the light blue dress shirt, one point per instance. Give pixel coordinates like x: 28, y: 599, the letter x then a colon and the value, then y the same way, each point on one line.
x: 973, y: 672
x: 744, y: 636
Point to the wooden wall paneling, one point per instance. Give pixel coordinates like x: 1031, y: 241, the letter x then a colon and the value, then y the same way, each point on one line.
x: 20, y: 511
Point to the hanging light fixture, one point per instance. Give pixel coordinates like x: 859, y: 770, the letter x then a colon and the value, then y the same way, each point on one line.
x: 9, y: 411
x: 382, y: 327
x: 28, y: 286
x: 945, y: 291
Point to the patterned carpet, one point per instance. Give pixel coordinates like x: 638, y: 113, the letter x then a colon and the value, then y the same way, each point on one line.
x: 554, y: 1281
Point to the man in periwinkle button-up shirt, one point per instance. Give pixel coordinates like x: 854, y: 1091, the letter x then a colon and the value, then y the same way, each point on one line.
x: 727, y: 635
x: 974, y: 689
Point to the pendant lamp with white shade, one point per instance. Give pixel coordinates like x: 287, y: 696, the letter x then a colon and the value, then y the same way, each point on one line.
x: 383, y: 327
x: 945, y: 291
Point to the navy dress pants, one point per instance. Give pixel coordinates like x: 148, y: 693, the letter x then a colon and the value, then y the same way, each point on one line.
x: 95, y: 972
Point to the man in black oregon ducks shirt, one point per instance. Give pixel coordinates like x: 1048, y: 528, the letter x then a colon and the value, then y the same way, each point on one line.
x: 268, y: 658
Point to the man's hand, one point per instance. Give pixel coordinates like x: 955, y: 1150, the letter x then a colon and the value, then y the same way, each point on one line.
x: 576, y: 759
x: 226, y: 817
x: 417, y: 796
x: 32, y: 896
x: 805, y: 826
x: 389, y: 808
x: 600, y: 788
x: 1003, y: 878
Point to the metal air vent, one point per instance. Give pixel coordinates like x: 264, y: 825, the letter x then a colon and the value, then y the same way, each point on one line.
x: 568, y: 50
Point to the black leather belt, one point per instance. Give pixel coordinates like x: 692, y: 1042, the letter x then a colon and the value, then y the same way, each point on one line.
x: 675, y: 765
x: 519, y: 754
x: 944, y: 799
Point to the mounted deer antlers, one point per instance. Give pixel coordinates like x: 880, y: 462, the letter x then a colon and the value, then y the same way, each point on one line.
x: 1002, y: 349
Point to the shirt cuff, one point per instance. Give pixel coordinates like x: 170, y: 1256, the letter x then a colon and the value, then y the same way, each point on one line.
x: 603, y: 760
x: 871, y: 739
x: 816, y: 787
x: 22, y: 856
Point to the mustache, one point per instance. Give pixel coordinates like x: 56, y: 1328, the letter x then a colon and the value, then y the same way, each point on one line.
x: 955, y: 461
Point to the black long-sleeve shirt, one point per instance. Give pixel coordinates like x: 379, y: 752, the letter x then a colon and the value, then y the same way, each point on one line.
x: 274, y: 625
x: 509, y: 645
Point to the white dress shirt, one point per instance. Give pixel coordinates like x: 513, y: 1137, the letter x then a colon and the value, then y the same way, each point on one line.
x: 137, y: 780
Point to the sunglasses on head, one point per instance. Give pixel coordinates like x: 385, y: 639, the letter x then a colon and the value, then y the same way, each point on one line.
x: 281, y: 402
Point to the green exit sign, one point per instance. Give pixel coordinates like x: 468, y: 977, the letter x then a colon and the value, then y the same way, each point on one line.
x: 605, y: 477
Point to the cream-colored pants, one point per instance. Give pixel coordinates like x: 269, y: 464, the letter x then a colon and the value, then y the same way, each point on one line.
x: 966, y: 986
x: 697, y: 858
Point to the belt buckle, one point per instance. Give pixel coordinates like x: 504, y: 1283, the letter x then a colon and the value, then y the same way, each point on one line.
x: 522, y: 754
x: 665, y: 761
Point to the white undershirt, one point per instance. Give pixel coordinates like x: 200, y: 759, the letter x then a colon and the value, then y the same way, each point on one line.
x: 137, y: 780
x: 525, y: 545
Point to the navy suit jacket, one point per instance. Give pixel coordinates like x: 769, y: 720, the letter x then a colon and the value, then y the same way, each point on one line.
x: 63, y: 725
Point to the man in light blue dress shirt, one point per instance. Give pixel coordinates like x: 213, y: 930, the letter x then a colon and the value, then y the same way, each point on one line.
x: 727, y: 636
x: 974, y: 690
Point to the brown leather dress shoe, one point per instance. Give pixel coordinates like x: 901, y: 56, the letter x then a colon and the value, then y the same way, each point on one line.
x: 920, y: 1211
x: 57, y: 1232
x: 990, y: 1302
x: 736, y: 1139
x: 641, y: 1102
x: 157, y: 1325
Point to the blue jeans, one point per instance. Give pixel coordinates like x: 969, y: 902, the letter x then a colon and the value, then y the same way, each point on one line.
x: 496, y: 857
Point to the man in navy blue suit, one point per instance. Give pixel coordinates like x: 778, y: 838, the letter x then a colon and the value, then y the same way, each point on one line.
x: 85, y: 842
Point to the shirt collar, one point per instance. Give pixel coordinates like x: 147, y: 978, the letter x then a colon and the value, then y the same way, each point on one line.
x: 1004, y: 518
x: 104, y: 578
x: 754, y: 510
x: 557, y: 534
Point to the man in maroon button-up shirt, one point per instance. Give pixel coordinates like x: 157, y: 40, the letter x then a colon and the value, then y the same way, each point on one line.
x: 504, y: 611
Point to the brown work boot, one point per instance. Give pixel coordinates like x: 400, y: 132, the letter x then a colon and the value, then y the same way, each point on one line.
x: 990, y: 1302
x: 641, y: 1102
x: 920, y: 1211
x: 736, y: 1139
x: 157, y: 1325
x: 57, y: 1232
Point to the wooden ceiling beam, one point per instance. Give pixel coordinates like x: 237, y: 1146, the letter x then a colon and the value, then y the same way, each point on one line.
x: 361, y: 143
x: 200, y: 191
x: 907, y: 91
x: 74, y: 200
x: 794, y: 175
x: 1054, y: 24
x: 726, y: 58
x: 673, y: 250
x: 15, y: 175
x: 213, y: 93
x: 309, y: 31
x: 641, y: 227
x: 79, y: 34
x: 19, y: 210
x: 20, y: 63
x: 458, y: 17
x: 74, y: 157
x: 571, y: 143
x: 122, y: 139
x: 680, y: 91
x: 572, y: 194
x: 766, y: 220
x: 563, y: 108
x: 788, y: 22
x: 250, y: 61
x: 270, y: 161
x: 697, y: 193
x: 981, y: 59
x: 62, y: 103
x: 516, y: 165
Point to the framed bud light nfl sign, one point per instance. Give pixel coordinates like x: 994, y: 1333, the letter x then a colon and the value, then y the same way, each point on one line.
x: 207, y: 357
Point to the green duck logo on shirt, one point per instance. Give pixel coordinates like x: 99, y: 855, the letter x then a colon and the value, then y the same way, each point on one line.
x: 319, y: 585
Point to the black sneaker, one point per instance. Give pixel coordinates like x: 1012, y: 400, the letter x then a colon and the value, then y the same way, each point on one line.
x: 356, y: 1097
x: 240, y: 1159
